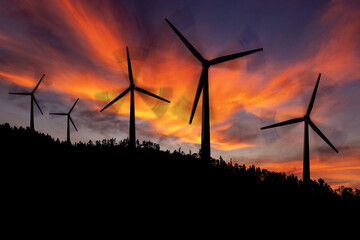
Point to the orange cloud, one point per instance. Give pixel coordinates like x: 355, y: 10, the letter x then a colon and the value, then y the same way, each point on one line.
x: 85, y: 57
x: 230, y: 89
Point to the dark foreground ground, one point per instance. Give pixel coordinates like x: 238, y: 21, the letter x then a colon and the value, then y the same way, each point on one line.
x: 39, y: 173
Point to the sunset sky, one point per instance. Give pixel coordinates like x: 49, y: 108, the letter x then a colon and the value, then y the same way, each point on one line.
x: 81, y: 47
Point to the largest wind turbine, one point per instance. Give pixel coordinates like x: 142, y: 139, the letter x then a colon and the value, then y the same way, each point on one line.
x: 307, y: 121
x: 204, y: 87
x: 132, y: 88
x: 33, y: 99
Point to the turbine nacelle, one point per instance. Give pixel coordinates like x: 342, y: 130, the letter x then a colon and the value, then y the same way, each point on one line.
x: 306, y: 118
x: 206, y: 64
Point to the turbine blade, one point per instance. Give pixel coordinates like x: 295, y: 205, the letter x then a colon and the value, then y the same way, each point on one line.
x: 117, y: 98
x: 233, y: 56
x: 151, y: 94
x: 312, y: 100
x: 313, y: 126
x: 129, y: 67
x: 19, y: 93
x: 37, y: 104
x: 73, y: 106
x: 58, y: 113
x: 291, y: 121
x: 186, y: 42
x: 38, y: 83
x: 198, y: 92
x: 73, y: 123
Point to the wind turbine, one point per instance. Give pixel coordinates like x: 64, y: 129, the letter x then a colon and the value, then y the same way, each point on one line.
x: 204, y: 87
x: 33, y: 99
x: 132, y: 88
x: 307, y: 121
x: 69, y: 119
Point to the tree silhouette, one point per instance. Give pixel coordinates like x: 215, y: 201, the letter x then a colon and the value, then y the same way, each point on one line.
x: 39, y: 162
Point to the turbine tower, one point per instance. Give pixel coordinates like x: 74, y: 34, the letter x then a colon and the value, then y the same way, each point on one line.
x: 132, y: 88
x: 204, y: 87
x: 307, y: 121
x: 33, y: 99
x: 69, y: 119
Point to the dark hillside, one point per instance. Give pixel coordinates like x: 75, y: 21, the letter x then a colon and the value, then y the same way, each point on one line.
x: 38, y: 168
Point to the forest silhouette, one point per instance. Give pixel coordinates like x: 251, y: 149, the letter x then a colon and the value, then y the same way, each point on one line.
x: 37, y: 165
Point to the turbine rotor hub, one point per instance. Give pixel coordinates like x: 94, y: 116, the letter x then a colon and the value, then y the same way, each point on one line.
x: 205, y: 64
x: 306, y: 118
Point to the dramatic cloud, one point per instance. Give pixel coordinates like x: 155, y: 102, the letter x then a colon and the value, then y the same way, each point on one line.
x: 80, y: 46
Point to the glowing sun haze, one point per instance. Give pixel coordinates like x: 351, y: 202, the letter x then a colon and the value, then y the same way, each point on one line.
x: 80, y: 46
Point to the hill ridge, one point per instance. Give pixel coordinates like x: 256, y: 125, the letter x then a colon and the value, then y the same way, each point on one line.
x: 107, y: 165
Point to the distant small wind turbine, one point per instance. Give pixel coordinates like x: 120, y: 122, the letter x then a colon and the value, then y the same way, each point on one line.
x: 69, y: 119
x: 132, y: 88
x: 33, y: 99
x: 307, y: 121
x: 204, y: 86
